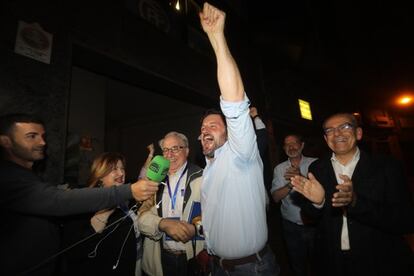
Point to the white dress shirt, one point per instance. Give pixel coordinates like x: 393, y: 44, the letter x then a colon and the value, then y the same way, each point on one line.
x: 348, y: 170
x: 232, y: 193
x: 178, y: 178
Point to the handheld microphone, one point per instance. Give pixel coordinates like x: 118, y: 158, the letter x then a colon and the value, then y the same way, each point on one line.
x: 158, y: 168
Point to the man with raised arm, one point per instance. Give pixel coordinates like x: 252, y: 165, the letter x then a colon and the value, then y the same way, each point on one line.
x: 233, y: 194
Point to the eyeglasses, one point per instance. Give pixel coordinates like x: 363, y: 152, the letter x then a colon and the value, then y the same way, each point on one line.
x: 342, y: 128
x: 174, y: 149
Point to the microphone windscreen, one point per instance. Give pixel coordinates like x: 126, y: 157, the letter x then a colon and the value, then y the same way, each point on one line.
x: 158, y: 168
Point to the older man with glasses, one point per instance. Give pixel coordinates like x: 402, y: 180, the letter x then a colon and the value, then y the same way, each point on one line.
x: 172, y: 238
x: 362, y: 205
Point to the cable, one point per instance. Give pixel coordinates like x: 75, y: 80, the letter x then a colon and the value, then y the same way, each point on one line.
x: 158, y: 204
x: 93, y: 253
x: 122, y: 248
x: 48, y: 259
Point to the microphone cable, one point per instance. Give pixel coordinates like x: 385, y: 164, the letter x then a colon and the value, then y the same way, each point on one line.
x: 48, y: 259
x: 122, y: 248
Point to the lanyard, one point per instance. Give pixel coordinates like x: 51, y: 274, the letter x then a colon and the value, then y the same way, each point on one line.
x: 174, y: 196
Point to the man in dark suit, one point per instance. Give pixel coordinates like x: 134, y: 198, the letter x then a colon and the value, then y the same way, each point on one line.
x: 362, y: 206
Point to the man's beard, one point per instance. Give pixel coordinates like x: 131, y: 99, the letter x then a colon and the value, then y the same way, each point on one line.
x: 294, y: 154
x: 209, y: 154
x: 216, y: 143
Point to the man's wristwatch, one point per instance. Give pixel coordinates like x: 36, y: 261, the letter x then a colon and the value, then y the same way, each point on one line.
x: 199, y: 228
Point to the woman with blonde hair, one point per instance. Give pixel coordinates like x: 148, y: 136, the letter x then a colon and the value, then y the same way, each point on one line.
x: 116, y: 247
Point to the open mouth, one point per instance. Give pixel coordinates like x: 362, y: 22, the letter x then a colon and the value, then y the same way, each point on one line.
x: 340, y: 140
x: 171, y: 159
x: 208, y: 138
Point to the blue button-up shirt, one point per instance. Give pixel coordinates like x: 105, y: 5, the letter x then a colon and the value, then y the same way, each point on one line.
x: 232, y: 192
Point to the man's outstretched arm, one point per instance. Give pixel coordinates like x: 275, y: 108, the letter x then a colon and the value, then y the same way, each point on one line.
x: 228, y: 75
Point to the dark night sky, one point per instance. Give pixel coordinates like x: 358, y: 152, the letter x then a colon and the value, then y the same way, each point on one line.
x: 364, y: 50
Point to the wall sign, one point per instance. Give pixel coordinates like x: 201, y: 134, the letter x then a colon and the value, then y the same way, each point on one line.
x: 33, y: 42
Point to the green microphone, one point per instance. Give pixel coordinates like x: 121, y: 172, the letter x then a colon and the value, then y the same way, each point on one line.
x: 158, y: 168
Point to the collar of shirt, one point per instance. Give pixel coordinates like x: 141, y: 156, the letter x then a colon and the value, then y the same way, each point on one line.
x: 300, y: 162
x: 173, y: 182
x: 178, y: 172
x: 347, y: 169
x: 216, y: 153
x: 303, y: 164
x: 354, y: 159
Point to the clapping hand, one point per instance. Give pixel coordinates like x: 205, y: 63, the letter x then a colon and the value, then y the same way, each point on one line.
x: 309, y: 188
x: 291, y: 172
x: 345, y: 194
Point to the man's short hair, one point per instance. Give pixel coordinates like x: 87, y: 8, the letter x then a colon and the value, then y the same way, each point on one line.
x: 297, y: 136
x: 179, y: 135
x: 8, y: 121
x: 213, y: 112
x: 352, y: 119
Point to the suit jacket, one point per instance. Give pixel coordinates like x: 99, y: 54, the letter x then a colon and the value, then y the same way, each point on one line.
x: 382, y: 213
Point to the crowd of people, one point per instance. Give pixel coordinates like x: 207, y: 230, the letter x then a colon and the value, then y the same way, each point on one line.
x: 344, y: 214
